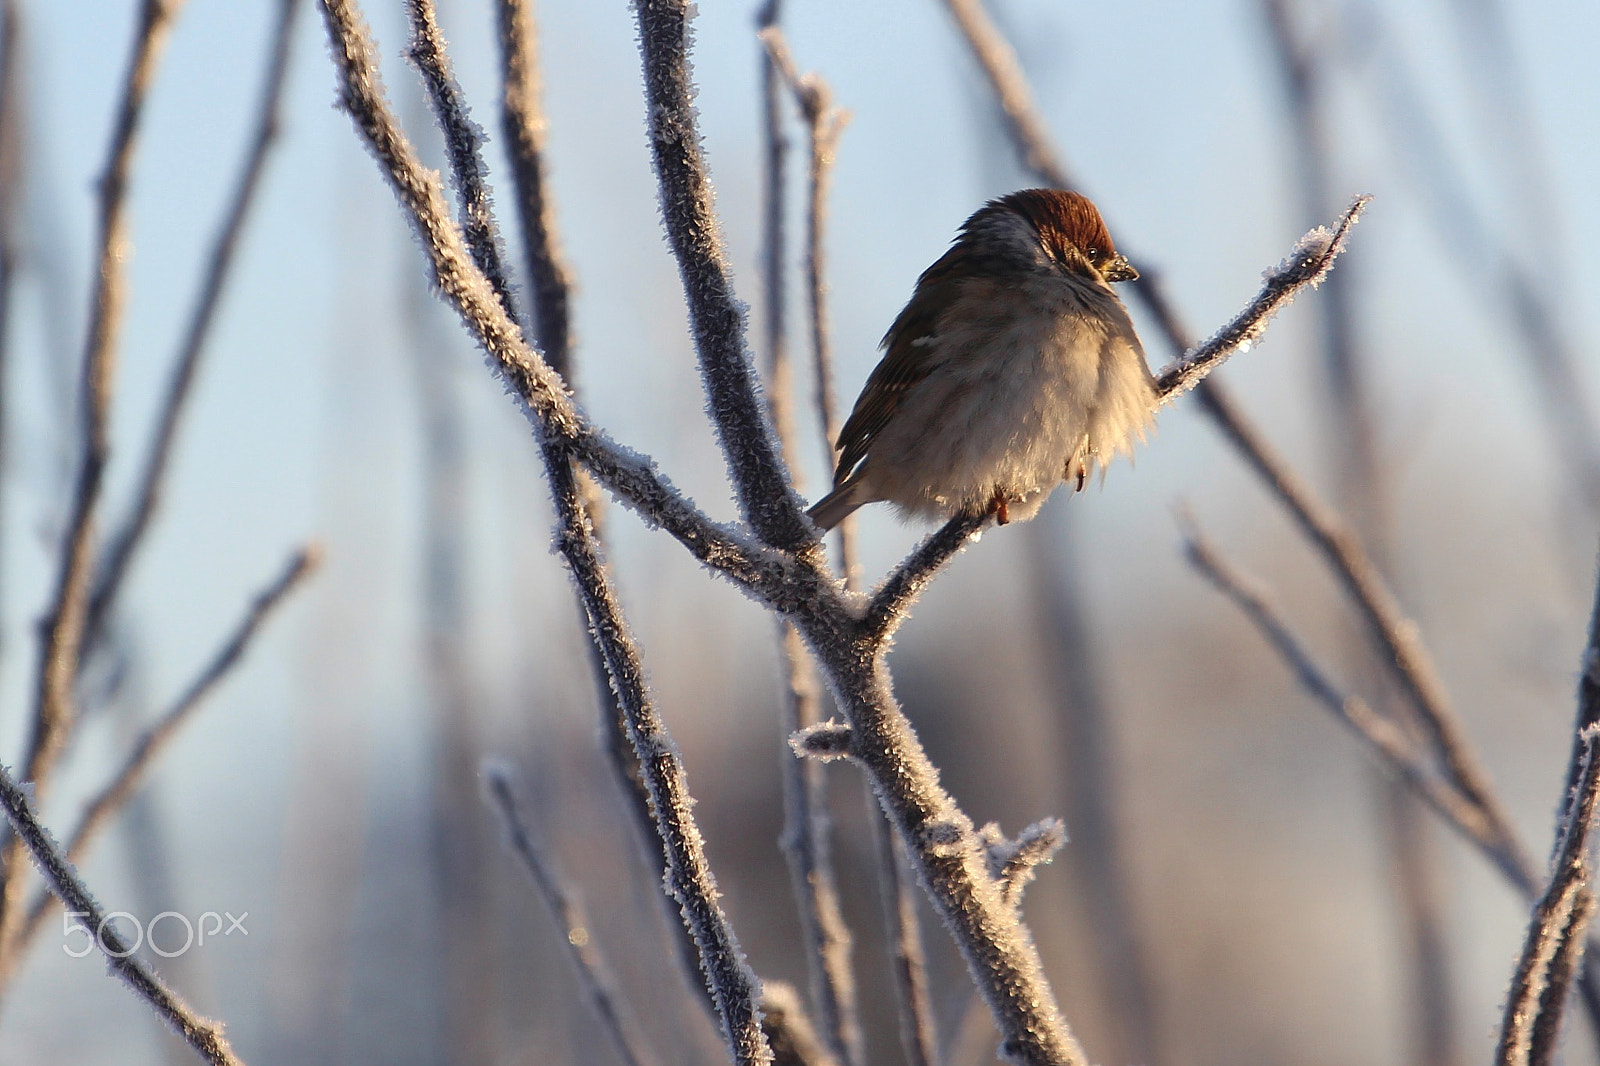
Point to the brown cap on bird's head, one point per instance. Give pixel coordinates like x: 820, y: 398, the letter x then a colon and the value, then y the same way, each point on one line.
x: 1068, y: 223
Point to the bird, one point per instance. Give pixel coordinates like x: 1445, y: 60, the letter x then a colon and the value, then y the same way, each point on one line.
x: 1013, y: 368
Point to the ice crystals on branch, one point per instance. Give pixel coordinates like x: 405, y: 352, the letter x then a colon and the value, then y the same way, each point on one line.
x: 826, y: 740
x: 1308, y: 263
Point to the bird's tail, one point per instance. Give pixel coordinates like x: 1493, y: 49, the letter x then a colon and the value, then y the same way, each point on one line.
x: 838, y: 505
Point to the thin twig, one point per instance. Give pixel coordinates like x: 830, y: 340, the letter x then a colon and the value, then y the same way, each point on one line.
x: 1555, y: 940
x: 154, y: 740
x: 1386, y: 739
x: 774, y: 251
x: 824, y: 125
x: 119, y: 552
x: 463, y: 145
x: 204, y: 1036
x: 732, y: 984
x: 919, y: 1036
x: 1457, y: 807
x: 523, y: 124
x: 806, y: 847
x: 805, y: 840
x: 1387, y: 624
x: 1023, y: 120
x: 766, y: 497
x: 588, y: 961
x: 62, y: 644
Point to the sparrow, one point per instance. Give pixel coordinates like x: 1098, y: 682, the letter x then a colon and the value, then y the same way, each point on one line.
x: 1013, y: 368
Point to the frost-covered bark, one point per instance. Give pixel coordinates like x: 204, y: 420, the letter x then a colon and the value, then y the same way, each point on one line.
x: 202, y: 1035
x: 767, y: 499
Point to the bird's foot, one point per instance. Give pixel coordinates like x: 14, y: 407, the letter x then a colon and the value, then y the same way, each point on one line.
x: 999, y: 508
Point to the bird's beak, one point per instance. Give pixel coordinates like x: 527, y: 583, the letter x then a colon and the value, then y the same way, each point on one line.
x: 1119, y: 269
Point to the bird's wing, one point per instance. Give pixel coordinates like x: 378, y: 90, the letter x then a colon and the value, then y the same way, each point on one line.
x: 907, y: 360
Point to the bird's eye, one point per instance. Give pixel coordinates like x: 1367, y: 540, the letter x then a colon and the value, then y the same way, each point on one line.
x: 1095, y: 255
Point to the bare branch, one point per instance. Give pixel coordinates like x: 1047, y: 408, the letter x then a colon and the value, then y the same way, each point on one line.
x: 62, y: 646
x: 765, y: 495
x: 688, y: 877
x: 893, y: 599
x: 824, y: 124
x: 1387, y: 740
x: 950, y: 856
x: 1527, y: 302
x: 1555, y: 939
x: 774, y: 251
x: 523, y: 124
x: 1013, y: 863
x: 805, y: 840
x: 1309, y: 262
x: 154, y: 740
x: 202, y: 1035
x: 463, y: 144
x: 919, y: 1036
x: 587, y: 960
x: 113, y: 565
x: 806, y: 847
x: 769, y: 575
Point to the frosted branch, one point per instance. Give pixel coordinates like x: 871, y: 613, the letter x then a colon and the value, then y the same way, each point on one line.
x: 824, y: 124
x: 1555, y: 941
x: 522, y: 123
x: 716, y: 316
x: 825, y: 740
x: 202, y: 1035
x: 892, y: 602
x: 808, y: 852
x: 463, y: 144
x: 114, y: 795
x: 1013, y: 863
x: 805, y: 840
x: 1308, y: 264
x: 588, y: 962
